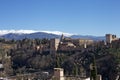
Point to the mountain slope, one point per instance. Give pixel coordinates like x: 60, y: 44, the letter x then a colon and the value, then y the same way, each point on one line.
x: 4, y: 32
x: 42, y: 35
x: 39, y: 35
x: 88, y: 37
x: 32, y: 34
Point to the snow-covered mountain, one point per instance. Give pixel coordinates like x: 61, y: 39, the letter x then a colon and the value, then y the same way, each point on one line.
x: 4, y: 32
x: 32, y: 34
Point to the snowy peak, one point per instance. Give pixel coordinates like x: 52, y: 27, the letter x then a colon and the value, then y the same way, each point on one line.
x: 32, y: 34
x: 4, y: 32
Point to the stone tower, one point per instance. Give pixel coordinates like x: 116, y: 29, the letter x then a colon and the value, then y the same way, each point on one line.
x: 54, y: 43
x: 110, y: 38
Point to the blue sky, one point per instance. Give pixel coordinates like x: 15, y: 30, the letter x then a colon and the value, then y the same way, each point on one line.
x: 84, y: 17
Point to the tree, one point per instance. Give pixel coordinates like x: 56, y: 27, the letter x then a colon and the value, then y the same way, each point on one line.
x: 93, y: 73
x: 58, y: 62
x: 76, y: 70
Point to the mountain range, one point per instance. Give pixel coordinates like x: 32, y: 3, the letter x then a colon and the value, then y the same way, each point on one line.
x: 31, y: 34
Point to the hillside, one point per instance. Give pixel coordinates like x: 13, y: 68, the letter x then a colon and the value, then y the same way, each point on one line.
x: 48, y: 35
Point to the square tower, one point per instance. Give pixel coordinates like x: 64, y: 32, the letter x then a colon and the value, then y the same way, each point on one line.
x: 54, y: 43
x: 108, y: 38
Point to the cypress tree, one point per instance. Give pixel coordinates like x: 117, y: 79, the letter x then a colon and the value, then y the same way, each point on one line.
x: 76, y: 70
x: 58, y: 62
x: 93, y: 73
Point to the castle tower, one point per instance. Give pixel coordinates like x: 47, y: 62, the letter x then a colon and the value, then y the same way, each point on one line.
x: 54, y: 43
x: 108, y: 38
x: 62, y: 38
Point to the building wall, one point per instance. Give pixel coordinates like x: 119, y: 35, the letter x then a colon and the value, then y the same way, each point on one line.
x: 82, y: 42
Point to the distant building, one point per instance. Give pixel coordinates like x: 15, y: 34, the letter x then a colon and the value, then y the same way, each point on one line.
x: 110, y: 38
x: 58, y: 74
x: 99, y: 77
x: 54, y: 43
x: 83, y: 42
x: 68, y: 44
x: 85, y: 78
